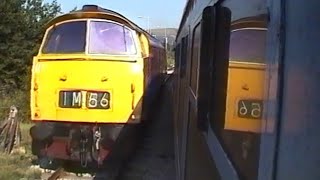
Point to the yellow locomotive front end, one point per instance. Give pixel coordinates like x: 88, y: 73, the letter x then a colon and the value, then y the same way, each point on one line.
x: 75, y: 78
x: 87, y: 86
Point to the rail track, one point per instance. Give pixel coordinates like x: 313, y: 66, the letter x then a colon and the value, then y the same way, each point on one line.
x: 154, y: 158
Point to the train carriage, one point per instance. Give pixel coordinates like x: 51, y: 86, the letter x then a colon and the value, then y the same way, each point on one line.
x: 239, y: 114
x: 95, y: 73
x: 240, y: 82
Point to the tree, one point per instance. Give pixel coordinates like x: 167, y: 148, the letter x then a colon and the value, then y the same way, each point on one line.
x: 74, y: 9
x: 38, y: 14
x: 11, y: 38
x: 21, y: 25
x: 21, y: 31
x: 170, y: 59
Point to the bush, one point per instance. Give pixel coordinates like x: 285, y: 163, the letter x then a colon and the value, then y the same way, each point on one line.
x: 18, y: 98
x: 170, y: 59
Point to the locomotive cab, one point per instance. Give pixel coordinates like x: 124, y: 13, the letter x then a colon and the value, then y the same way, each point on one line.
x: 82, y: 59
x: 91, y: 78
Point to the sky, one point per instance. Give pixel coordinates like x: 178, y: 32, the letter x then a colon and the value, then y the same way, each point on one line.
x: 161, y: 13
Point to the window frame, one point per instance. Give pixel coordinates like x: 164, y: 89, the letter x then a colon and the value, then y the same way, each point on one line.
x: 195, y: 60
x: 213, y: 136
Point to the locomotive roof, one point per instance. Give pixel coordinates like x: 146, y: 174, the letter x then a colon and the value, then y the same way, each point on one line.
x: 93, y: 11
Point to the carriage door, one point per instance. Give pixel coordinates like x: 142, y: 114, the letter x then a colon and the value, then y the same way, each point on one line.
x: 198, y: 163
x: 181, y: 100
x: 212, y: 87
x: 207, y: 61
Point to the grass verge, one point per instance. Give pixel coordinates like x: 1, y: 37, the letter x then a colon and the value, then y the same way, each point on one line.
x: 16, y: 166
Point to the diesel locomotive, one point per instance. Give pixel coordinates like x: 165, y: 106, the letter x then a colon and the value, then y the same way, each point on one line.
x: 93, y: 79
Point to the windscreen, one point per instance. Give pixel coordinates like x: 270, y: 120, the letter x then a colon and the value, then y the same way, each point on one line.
x: 104, y: 37
x: 110, y: 38
x: 248, y: 45
x: 68, y: 37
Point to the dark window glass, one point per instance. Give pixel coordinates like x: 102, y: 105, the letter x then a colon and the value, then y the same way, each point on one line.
x: 177, y: 57
x: 195, y: 60
x: 68, y: 37
x: 248, y: 45
x: 241, y: 135
x: 184, y: 56
x: 110, y: 38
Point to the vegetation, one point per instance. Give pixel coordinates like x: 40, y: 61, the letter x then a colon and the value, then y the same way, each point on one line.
x: 161, y: 33
x: 21, y: 23
x: 21, y: 30
x: 170, y: 59
x: 170, y: 34
x: 17, y: 165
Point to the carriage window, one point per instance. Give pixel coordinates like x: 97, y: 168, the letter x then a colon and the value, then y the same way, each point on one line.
x: 177, y: 57
x: 242, y: 126
x: 248, y: 45
x: 195, y: 60
x: 110, y: 38
x: 66, y: 38
x: 184, y: 56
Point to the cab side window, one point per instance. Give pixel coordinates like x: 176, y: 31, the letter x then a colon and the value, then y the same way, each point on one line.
x: 195, y: 60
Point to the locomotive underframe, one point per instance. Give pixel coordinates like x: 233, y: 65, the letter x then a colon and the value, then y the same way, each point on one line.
x: 82, y: 142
